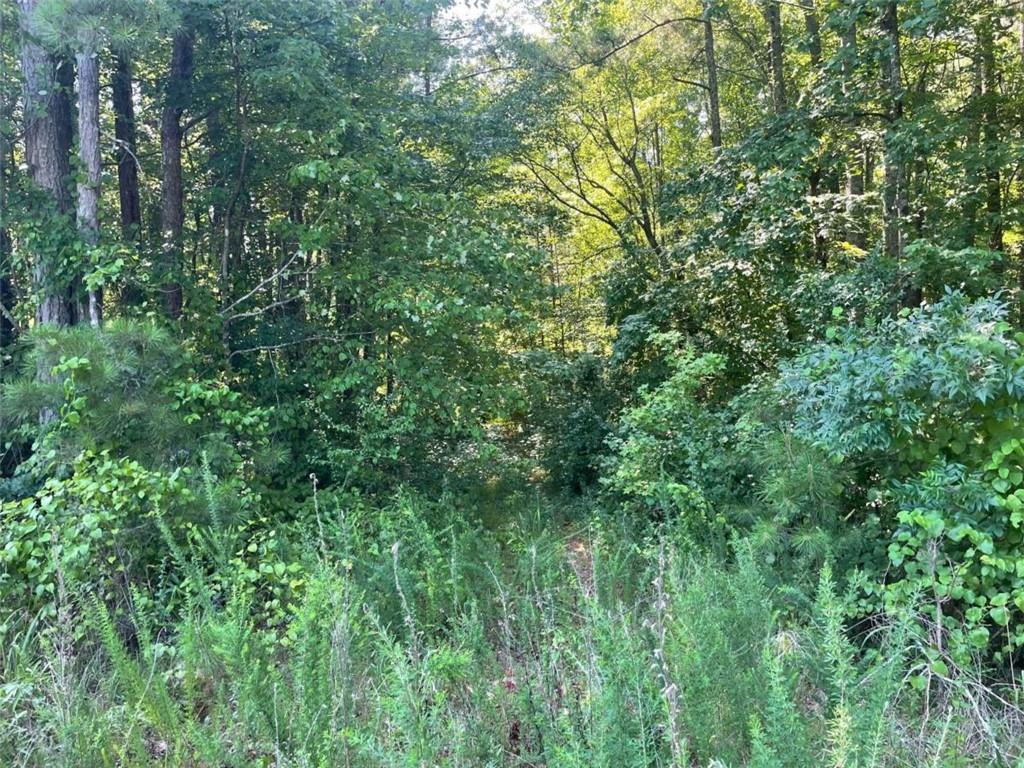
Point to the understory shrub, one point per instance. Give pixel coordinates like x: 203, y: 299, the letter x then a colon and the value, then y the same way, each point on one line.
x: 927, y: 409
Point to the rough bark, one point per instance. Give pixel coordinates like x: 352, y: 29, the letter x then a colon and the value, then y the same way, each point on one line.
x: 89, y: 157
x: 714, y: 106
x: 124, y: 133
x: 773, y: 18
x: 172, y: 206
x: 47, y: 111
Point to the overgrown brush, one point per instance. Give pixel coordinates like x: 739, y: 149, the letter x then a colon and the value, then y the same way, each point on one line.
x: 535, y: 658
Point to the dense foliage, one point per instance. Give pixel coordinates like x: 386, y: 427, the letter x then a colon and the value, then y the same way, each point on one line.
x: 616, y: 383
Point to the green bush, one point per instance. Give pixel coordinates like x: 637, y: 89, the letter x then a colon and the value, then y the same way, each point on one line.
x: 928, y: 407
x: 660, y: 455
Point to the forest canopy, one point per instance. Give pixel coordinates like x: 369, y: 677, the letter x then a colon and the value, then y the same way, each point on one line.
x: 595, y: 382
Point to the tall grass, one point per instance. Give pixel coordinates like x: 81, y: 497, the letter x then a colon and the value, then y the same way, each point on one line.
x: 447, y: 644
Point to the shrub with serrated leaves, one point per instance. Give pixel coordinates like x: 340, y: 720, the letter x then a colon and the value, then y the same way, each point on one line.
x: 928, y: 407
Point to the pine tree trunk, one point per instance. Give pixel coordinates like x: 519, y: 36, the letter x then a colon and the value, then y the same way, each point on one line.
x: 714, y: 107
x: 124, y: 133
x: 89, y: 157
x: 172, y: 207
x: 47, y: 111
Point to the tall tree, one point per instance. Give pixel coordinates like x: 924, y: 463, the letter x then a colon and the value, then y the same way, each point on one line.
x: 773, y: 18
x: 855, y: 233
x: 87, y: 60
x: 127, y: 150
x: 812, y: 27
x: 894, y: 192
x: 990, y: 129
x: 714, y: 104
x: 47, y: 109
x: 7, y: 324
x: 172, y: 203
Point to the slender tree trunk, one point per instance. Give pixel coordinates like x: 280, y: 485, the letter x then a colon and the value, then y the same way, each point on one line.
x: 820, y: 251
x: 127, y: 164
x: 813, y: 27
x: 714, y: 107
x: 1020, y: 41
x: 855, y: 165
x: 990, y: 133
x: 172, y: 206
x: 7, y: 298
x: 894, y: 194
x: 89, y: 156
x: 47, y: 111
x: 972, y: 178
x: 773, y: 17
x: 7, y: 327
x: 6, y: 291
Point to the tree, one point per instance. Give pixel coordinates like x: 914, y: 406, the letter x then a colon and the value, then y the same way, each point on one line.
x: 88, y: 69
x: 172, y: 190
x: 127, y: 147
x: 773, y: 18
x: 47, y: 110
x: 894, y: 193
x: 711, y: 67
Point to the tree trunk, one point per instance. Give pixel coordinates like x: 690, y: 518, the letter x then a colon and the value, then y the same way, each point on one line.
x: 172, y: 206
x: 7, y: 327
x: 820, y: 250
x: 855, y: 165
x: 89, y: 156
x: 894, y: 194
x: 773, y: 17
x: 972, y: 144
x: 124, y: 133
x: 813, y: 28
x: 6, y: 291
x: 990, y: 133
x: 47, y: 111
x: 714, y: 108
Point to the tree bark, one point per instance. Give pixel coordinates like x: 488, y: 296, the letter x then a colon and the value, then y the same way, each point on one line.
x: 172, y: 207
x: 124, y: 133
x: 6, y: 291
x: 47, y: 111
x: 773, y: 17
x: 990, y: 133
x: 7, y: 297
x: 813, y: 27
x: 894, y: 194
x: 820, y: 249
x: 714, y: 107
x: 855, y: 165
x: 89, y: 156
